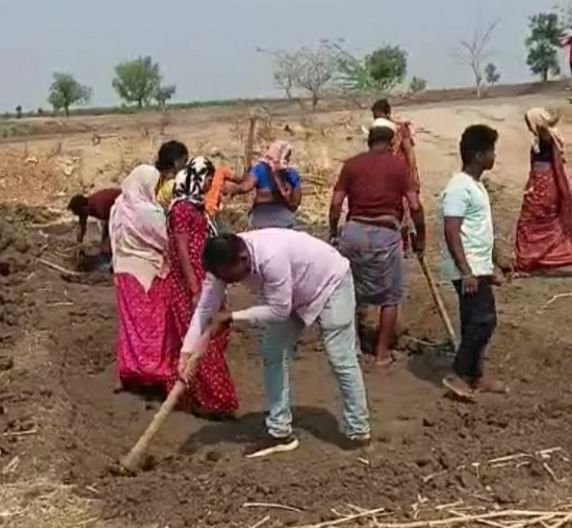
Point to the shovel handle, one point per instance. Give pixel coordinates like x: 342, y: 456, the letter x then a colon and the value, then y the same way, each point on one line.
x: 131, y: 460
x: 438, y: 300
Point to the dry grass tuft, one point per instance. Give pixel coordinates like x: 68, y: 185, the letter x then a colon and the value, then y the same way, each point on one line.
x: 42, y: 502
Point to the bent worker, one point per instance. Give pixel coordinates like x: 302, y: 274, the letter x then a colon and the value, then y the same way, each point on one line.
x: 377, y: 184
x: 303, y: 280
x: 98, y: 205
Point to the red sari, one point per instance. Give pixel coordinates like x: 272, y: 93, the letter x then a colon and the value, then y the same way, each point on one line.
x: 147, y: 353
x: 402, y: 134
x: 544, y: 228
x: 212, y: 388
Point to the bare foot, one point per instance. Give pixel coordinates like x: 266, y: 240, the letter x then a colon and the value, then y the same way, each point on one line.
x: 459, y: 387
x: 384, y: 362
x: 490, y: 384
x: 371, y: 363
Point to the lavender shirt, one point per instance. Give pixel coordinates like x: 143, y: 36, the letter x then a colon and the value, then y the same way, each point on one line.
x: 296, y: 272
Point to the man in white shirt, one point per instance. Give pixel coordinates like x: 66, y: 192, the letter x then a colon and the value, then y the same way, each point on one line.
x: 303, y: 280
x: 468, y: 251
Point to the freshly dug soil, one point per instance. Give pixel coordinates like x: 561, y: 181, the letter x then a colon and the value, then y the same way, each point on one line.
x: 425, y: 446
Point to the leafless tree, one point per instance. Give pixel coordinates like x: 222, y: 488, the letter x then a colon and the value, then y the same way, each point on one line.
x: 285, y: 73
x: 476, y: 52
x: 316, y: 69
x: 310, y: 70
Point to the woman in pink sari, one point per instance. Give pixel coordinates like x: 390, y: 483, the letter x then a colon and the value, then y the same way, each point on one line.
x: 147, y: 349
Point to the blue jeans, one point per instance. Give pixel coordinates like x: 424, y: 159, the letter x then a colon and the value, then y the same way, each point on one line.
x: 337, y: 329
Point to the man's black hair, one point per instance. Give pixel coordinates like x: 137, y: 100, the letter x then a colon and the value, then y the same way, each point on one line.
x: 477, y: 139
x: 222, y: 251
x: 77, y: 204
x: 169, y: 154
x: 380, y: 135
x: 381, y: 106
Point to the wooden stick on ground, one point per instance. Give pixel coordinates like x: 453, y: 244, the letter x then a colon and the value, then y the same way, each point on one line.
x: 344, y: 520
x: 261, y: 522
x: 529, y: 518
x: 131, y: 461
x: 271, y: 505
x: 61, y: 269
x: 438, y: 300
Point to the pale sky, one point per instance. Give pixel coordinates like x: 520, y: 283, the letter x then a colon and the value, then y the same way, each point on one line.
x: 208, y: 47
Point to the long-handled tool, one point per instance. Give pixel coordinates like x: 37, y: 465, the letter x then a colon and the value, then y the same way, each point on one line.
x: 438, y: 300
x: 131, y: 461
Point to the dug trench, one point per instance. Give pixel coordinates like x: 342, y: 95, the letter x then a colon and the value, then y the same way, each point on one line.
x: 59, y: 412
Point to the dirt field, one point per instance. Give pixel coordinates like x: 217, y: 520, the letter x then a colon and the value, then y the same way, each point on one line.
x: 62, y: 427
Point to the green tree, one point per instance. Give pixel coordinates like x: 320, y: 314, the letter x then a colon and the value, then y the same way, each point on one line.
x: 417, y: 85
x: 387, y: 66
x: 380, y: 71
x: 164, y: 94
x: 137, y: 81
x: 492, y: 74
x: 19, y: 112
x: 543, y: 43
x: 65, y: 92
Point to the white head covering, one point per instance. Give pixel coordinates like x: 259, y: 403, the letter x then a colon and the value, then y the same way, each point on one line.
x: 381, y: 122
x: 137, y: 226
x: 541, y: 118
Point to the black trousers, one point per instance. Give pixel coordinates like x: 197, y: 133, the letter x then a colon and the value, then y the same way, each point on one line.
x: 478, y: 323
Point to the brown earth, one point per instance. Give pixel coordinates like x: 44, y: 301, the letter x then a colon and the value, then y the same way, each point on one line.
x: 60, y: 419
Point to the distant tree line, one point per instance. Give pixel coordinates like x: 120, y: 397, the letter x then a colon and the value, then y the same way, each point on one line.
x: 313, y: 72
x: 330, y: 68
x: 137, y: 82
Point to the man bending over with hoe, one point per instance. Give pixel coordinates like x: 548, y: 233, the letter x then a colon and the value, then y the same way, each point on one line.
x: 303, y: 280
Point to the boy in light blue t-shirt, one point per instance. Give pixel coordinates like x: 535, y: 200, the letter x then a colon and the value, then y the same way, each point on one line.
x: 468, y: 248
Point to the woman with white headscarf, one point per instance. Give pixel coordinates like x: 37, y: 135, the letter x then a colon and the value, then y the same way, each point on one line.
x: 146, y: 351
x: 211, y: 393
x: 544, y: 228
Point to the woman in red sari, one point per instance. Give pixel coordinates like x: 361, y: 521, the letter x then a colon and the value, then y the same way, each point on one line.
x: 212, y: 394
x: 544, y: 228
x: 147, y: 353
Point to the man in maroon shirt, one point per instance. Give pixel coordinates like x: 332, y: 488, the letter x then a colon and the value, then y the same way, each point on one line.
x: 376, y: 184
x: 98, y: 205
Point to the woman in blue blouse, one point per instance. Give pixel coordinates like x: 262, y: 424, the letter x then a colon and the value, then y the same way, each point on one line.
x: 278, y: 189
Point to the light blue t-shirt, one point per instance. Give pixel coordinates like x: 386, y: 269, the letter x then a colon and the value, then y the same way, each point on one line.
x: 466, y: 198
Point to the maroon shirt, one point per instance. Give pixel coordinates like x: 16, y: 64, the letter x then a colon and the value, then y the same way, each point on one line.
x: 99, y: 204
x: 375, y: 184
